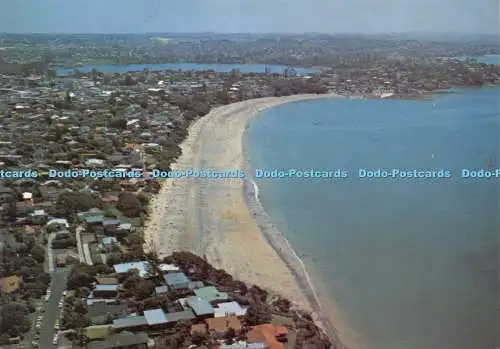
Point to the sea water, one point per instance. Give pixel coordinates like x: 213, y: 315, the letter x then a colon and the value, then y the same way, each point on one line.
x: 411, y: 263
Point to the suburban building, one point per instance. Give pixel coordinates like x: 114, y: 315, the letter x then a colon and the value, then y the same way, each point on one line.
x: 130, y: 323
x: 270, y: 335
x: 200, y: 306
x: 219, y: 326
x: 105, y: 291
x: 176, y: 280
x: 229, y: 308
x: 211, y: 294
x: 142, y: 267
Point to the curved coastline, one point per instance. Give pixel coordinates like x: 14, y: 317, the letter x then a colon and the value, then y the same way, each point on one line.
x: 224, y: 220
x: 282, y: 246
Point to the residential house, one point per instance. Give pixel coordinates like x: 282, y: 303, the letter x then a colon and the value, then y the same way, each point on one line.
x: 124, y: 228
x: 98, y: 332
x: 107, y: 280
x: 161, y: 289
x: 201, y: 307
x: 270, y: 335
x: 108, y: 244
x: 199, y: 328
x: 143, y: 268
x: 180, y: 316
x: 169, y: 268
x: 105, y: 291
x: 130, y: 323
x: 219, y: 326
x: 229, y: 308
x: 211, y: 294
x: 110, y: 225
x: 176, y: 281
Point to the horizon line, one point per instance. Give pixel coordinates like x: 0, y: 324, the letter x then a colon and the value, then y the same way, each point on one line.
x: 254, y: 33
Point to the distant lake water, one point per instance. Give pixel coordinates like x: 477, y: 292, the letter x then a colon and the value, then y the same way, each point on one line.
x: 412, y: 264
x: 488, y: 59
x: 221, y: 68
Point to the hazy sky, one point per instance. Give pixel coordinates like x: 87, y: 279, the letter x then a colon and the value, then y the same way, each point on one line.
x: 328, y: 16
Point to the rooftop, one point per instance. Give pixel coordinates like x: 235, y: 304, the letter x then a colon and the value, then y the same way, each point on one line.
x: 180, y: 315
x: 175, y: 278
x: 210, y: 293
x: 129, y: 321
x: 155, y: 317
x: 126, y: 267
x: 104, y: 288
x: 199, y: 305
x: 229, y: 308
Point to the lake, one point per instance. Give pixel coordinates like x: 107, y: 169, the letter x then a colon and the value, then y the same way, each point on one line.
x: 221, y: 68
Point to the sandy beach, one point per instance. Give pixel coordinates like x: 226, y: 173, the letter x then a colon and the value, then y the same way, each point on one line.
x: 223, y: 220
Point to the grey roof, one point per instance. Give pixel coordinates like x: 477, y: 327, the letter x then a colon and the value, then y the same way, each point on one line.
x: 175, y: 278
x: 104, y: 308
x: 210, y: 293
x: 193, y: 285
x: 199, y: 305
x: 106, y: 288
x: 155, y: 316
x: 106, y: 222
x: 123, y: 339
x: 130, y: 321
x: 181, y: 315
x: 161, y: 289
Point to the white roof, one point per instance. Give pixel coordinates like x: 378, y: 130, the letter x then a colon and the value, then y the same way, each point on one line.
x: 168, y: 267
x: 27, y: 196
x: 133, y: 121
x: 125, y: 267
x: 229, y: 308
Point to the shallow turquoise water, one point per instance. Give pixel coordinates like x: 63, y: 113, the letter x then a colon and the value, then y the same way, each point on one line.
x: 411, y: 263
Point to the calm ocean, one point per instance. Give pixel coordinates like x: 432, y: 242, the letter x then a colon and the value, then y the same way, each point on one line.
x: 412, y: 264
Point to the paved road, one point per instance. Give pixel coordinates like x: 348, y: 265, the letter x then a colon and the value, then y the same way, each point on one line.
x: 51, y: 310
x: 81, y: 255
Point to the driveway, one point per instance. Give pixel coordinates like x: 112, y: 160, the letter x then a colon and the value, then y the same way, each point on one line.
x: 52, y: 312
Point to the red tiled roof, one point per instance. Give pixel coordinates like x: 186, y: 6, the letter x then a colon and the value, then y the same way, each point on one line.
x: 267, y: 333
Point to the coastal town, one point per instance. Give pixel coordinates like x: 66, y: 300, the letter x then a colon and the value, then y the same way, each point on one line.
x: 75, y: 267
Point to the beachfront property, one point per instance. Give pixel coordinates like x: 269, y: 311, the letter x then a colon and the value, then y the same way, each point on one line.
x: 142, y: 267
x: 177, y: 280
x: 211, y: 294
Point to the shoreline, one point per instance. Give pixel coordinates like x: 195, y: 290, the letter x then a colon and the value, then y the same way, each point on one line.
x: 223, y: 220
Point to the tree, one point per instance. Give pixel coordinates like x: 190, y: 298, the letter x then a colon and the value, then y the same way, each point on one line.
x: 130, y: 205
x: 258, y: 313
x: 199, y: 338
x: 38, y: 253
x: 14, y: 319
x: 229, y: 336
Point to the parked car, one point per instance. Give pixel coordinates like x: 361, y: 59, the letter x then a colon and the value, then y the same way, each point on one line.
x: 55, y: 340
x: 35, y: 344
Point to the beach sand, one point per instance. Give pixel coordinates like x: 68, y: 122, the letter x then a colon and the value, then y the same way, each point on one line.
x: 223, y: 220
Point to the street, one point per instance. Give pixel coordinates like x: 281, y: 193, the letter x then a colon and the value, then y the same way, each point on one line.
x: 52, y: 311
